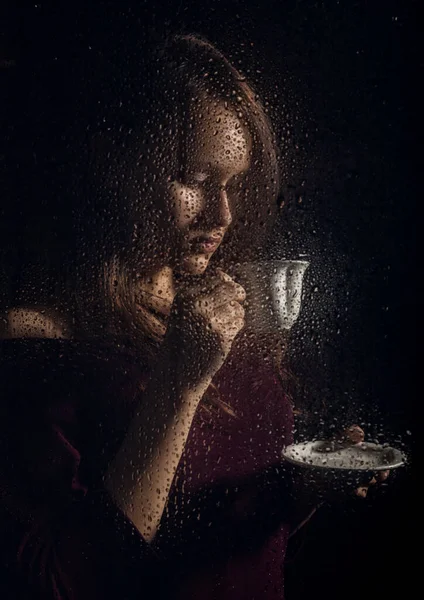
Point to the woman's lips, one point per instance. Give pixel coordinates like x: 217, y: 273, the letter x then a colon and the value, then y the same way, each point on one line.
x: 205, y: 244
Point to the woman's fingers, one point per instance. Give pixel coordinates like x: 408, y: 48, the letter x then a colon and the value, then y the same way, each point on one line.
x: 229, y: 311
x: 227, y: 291
x: 354, y: 434
x: 379, y: 477
x: 361, y: 491
x: 206, y: 317
x: 218, y: 301
x: 382, y: 476
x: 218, y: 289
x: 227, y: 316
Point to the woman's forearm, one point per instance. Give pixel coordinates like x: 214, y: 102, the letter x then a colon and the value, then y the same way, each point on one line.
x: 140, y: 476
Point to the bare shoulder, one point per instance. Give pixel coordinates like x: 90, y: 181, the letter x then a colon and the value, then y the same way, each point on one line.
x: 34, y: 322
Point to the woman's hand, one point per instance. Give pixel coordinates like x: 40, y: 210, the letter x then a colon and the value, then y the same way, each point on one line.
x: 205, y: 319
x: 351, y: 436
x: 312, y: 487
x: 355, y: 435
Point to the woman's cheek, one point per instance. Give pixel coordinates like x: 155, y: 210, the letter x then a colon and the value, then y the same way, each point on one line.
x: 186, y: 204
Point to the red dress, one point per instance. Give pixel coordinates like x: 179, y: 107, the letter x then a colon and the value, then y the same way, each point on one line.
x: 64, y: 411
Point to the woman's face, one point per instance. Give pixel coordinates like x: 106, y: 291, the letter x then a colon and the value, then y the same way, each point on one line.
x: 218, y: 151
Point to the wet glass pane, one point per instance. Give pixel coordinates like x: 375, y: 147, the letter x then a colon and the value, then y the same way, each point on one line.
x: 206, y: 274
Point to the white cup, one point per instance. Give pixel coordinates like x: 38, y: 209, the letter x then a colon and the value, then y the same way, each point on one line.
x: 273, y: 293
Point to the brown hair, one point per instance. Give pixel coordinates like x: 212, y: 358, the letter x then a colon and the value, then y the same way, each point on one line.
x: 131, y: 142
x: 180, y: 70
x: 145, y: 129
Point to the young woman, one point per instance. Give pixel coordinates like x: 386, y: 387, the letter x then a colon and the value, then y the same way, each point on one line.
x: 143, y: 425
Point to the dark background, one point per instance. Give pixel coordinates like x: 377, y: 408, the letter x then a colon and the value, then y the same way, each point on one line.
x: 339, y: 80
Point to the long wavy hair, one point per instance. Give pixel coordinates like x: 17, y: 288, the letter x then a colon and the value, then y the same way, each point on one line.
x: 132, y: 143
x: 137, y: 148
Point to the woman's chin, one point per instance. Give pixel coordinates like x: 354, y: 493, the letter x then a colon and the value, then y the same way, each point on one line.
x: 195, y: 264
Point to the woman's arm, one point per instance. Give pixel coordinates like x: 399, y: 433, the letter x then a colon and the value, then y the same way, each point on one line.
x: 203, y: 325
x: 140, y: 477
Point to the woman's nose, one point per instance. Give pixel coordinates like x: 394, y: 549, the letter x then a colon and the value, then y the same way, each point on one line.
x: 218, y: 210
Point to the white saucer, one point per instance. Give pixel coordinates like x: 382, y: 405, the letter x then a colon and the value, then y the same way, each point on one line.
x: 359, y: 457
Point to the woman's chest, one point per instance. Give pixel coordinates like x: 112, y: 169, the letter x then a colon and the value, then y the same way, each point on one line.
x: 221, y: 446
